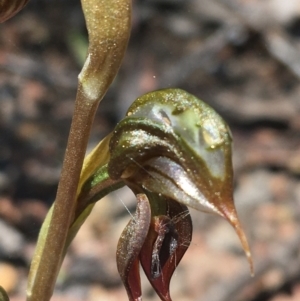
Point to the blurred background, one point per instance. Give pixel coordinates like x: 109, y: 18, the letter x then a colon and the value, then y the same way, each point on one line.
x: 240, y: 56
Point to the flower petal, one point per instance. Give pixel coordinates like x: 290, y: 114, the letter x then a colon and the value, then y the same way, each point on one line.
x: 129, y: 246
x: 168, y: 239
x: 174, y: 144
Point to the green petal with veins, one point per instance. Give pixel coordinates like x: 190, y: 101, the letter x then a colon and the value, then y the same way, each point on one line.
x: 175, y: 144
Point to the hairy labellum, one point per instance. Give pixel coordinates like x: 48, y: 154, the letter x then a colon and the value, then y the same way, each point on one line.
x: 166, y: 234
x: 168, y: 239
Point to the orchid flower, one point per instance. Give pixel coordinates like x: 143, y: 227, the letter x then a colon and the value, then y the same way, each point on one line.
x: 171, y: 149
x: 174, y: 152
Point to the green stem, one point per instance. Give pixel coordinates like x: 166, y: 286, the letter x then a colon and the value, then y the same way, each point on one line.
x: 64, y: 206
x: 108, y: 24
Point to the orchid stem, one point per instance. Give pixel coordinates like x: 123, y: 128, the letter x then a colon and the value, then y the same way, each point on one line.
x: 64, y: 205
x: 108, y: 25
